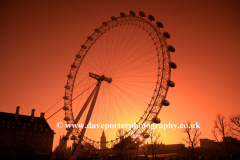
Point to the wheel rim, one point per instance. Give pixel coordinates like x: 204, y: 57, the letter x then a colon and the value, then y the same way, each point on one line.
x: 163, y: 70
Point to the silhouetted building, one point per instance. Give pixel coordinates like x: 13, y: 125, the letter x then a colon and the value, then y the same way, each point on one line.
x: 69, y: 152
x: 209, y: 148
x: 170, y: 148
x: 164, y: 149
x: 25, y: 137
x: 64, y: 146
x: 103, y: 141
x: 62, y: 152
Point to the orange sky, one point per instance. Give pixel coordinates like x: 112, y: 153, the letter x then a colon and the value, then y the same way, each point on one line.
x: 39, y: 41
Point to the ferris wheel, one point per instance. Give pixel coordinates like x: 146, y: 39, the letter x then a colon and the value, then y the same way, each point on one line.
x: 120, y: 75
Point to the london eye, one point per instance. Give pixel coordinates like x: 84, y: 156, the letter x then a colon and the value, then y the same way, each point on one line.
x: 121, y: 74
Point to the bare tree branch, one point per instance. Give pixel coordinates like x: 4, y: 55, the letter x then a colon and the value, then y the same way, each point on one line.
x: 221, y: 128
x: 235, y: 126
x: 193, y: 136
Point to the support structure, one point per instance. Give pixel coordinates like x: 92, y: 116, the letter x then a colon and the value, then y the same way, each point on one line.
x: 95, y: 94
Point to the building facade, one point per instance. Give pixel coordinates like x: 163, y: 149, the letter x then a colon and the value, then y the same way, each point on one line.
x: 25, y: 137
x: 210, y: 148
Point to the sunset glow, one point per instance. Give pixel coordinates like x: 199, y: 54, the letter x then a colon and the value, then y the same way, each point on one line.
x: 39, y: 42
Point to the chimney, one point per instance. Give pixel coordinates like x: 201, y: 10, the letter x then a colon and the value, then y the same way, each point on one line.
x: 32, y: 115
x: 42, y: 115
x: 17, y: 113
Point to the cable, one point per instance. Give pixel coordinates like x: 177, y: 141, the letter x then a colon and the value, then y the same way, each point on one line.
x: 61, y: 98
x: 72, y: 100
x: 54, y: 105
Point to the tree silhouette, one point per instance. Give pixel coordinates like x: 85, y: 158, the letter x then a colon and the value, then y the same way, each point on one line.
x: 154, y: 137
x: 221, y: 128
x: 192, y: 137
x: 146, y: 150
x: 235, y: 126
x: 58, y: 153
x: 124, y: 142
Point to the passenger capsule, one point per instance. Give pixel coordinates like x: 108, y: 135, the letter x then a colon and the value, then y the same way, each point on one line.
x: 104, y: 23
x: 84, y: 46
x: 173, y: 65
x: 65, y: 108
x: 171, y: 48
x: 113, y: 18
x: 159, y: 24
x: 66, y: 119
x: 65, y: 138
x: 145, y: 135
x: 69, y: 76
x: 68, y: 129
x: 78, y: 56
x: 166, y: 35
x: 90, y: 38
x: 171, y: 84
x: 67, y: 86
x: 66, y: 97
x: 156, y: 120
x: 73, y: 138
x: 165, y: 102
x: 97, y: 30
x: 73, y: 66
x: 122, y: 14
x: 151, y: 18
x: 142, y: 14
x: 132, y: 13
